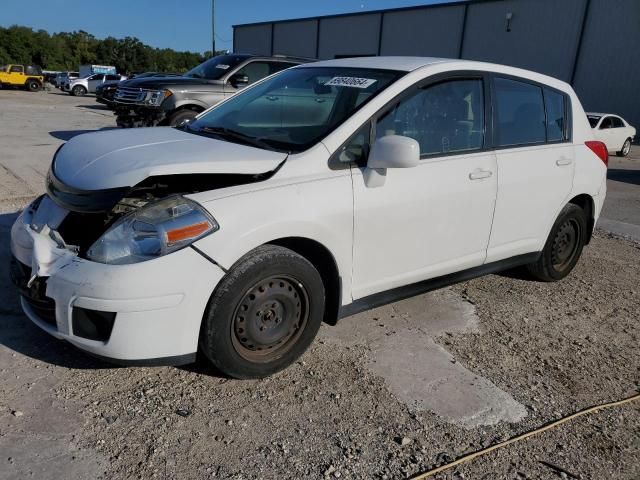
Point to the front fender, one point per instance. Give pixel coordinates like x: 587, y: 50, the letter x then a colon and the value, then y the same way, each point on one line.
x: 320, y: 210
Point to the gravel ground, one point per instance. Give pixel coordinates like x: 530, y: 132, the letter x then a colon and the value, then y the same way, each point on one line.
x: 552, y: 348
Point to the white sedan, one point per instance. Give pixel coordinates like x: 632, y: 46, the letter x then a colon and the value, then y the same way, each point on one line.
x: 613, y: 131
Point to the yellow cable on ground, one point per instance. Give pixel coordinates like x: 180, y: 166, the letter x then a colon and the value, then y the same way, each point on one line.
x: 522, y: 436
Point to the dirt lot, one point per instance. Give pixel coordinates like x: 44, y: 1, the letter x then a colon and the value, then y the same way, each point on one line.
x: 385, y: 394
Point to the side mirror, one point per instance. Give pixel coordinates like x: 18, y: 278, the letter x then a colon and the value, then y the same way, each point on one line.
x: 239, y: 80
x: 392, y: 151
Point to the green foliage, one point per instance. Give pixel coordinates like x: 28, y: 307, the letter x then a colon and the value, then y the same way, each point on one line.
x: 68, y: 50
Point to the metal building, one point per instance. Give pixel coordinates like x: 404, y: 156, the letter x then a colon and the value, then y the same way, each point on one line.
x: 592, y: 44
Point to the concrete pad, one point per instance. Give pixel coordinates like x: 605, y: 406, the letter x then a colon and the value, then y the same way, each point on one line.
x: 417, y: 370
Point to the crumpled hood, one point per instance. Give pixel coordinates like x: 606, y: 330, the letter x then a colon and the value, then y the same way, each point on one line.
x: 125, y: 157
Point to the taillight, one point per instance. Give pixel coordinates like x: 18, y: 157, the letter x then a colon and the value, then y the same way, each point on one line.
x: 600, y: 149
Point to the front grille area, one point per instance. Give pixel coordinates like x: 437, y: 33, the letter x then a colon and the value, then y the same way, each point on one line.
x: 130, y: 95
x: 35, y: 294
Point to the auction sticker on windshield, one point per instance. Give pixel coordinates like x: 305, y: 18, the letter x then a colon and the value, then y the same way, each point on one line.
x: 351, y: 82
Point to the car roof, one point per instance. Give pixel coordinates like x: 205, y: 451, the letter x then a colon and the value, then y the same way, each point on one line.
x: 406, y: 64
x: 597, y: 114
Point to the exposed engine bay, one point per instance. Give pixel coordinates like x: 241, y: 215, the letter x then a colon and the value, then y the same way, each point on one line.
x: 91, y: 213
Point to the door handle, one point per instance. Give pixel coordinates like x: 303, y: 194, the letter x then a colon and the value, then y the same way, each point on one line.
x: 480, y: 174
x: 272, y: 98
x: 561, y: 162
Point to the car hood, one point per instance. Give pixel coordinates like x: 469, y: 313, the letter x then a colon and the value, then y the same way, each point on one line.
x: 125, y: 157
x: 168, y: 82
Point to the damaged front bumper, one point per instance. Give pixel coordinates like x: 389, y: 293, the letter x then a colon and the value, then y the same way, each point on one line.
x: 143, y: 313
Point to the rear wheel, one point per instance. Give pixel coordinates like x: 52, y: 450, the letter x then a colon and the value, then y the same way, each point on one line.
x: 32, y: 85
x: 79, y: 91
x: 626, y: 148
x: 264, y: 313
x: 179, y: 117
x: 564, y: 245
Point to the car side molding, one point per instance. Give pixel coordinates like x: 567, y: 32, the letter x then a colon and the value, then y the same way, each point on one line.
x: 396, y: 294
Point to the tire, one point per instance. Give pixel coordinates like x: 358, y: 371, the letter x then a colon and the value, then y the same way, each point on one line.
x: 79, y: 91
x: 563, y: 247
x: 33, y: 85
x: 176, y: 118
x: 626, y: 148
x: 264, y: 313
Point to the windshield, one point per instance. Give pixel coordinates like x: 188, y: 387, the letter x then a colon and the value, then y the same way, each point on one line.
x: 593, y: 120
x: 216, y: 67
x: 294, y: 109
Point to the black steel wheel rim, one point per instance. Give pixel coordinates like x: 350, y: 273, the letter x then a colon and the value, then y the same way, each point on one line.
x: 269, y: 319
x: 566, y: 244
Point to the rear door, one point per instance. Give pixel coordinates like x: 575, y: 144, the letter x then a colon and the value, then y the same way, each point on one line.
x: 606, y: 134
x: 532, y: 138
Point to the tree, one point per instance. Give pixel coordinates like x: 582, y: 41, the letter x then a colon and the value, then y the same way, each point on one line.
x: 69, y: 50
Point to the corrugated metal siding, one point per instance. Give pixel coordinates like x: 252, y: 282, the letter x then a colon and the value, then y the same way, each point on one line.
x: 608, y: 70
x: 295, y: 38
x: 254, y: 39
x: 430, y: 32
x: 544, y: 34
x: 353, y: 35
x: 544, y: 37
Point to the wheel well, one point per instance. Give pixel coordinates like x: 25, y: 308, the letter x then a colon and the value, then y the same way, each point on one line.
x: 195, y: 108
x: 34, y: 79
x: 323, y: 260
x: 585, y: 202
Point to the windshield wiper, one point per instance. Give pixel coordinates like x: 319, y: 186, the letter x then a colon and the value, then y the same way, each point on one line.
x: 233, y: 135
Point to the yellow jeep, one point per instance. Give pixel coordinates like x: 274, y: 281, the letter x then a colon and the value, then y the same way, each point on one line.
x: 28, y: 77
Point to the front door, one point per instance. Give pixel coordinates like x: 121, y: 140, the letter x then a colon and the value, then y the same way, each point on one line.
x: 94, y: 81
x: 435, y: 218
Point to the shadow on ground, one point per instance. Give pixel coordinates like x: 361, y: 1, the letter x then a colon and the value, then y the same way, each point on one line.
x: 97, y: 106
x: 69, y: 134
x: 17, y: 333
x: 623, y: 175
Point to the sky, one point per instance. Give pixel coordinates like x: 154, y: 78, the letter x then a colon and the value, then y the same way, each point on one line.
x: 177, y: 24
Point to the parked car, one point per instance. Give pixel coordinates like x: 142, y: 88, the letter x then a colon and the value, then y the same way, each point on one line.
x: 613, y: 131
x: 106, y: 91
x: 28, y: 77
x: 147, y: 102
x: 316, y: 193
x: 62, y: 77
x: 85, y: 85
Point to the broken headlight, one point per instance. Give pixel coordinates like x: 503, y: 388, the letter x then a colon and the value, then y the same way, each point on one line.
x: 152, y: 231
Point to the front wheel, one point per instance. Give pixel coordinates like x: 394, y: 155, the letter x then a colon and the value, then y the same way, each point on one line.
x: 264, y: 313
x: 564, y: 245
x: 626, y: 148
x: 79, y: 91
x: 178, y: 118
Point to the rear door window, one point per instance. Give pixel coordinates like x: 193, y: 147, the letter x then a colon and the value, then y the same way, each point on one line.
x: 519, y: 113
x: 606, y: 123
x: 617, y: 123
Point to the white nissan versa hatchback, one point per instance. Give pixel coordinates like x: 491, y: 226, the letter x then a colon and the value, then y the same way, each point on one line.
x: 316, y: 193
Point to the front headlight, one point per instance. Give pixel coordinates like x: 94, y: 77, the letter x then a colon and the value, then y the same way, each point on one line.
x: 152, y: 231
x: 157, y: 97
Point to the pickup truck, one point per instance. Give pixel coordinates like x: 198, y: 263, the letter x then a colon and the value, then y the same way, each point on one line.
x: 28, y: 77
x: 170, y: 101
